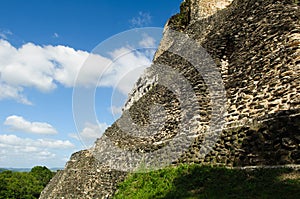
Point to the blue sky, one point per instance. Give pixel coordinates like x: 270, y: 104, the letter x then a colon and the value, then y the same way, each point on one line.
x: 50, y: 48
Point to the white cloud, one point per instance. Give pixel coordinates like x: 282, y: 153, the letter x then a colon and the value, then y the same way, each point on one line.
x: 143, y: 19
x: 90, y: 133
x: 125, y: 70
x: 56, y: 35
x: 5, y: 33
x: 116, y: 110
x: 29, y: 145
x: 36, y: 67
x: 44, y: 155
x: 11, y: 92
x: 25, y: 152
x: 44, y: 67
x: 147, y: 42
x: 18, y: 123
x: 57, y: 144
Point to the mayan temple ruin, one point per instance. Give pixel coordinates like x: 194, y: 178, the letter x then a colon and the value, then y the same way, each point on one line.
x: 224, y: 89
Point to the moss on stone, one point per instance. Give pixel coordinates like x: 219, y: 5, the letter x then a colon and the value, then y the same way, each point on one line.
x: 181, y: 20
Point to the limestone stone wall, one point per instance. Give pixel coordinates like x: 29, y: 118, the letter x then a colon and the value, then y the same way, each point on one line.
x: 204, y: 8
x: 83, y: 177
x: 258, y: 51
x: 255, y: 46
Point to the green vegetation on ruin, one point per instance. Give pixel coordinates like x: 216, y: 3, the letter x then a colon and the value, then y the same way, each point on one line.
x: 195, y: 181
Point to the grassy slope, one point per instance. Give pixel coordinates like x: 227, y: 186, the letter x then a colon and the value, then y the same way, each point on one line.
x: 194, y: 181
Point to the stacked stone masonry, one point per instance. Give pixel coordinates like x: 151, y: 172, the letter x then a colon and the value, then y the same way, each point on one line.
x: 255, y: 45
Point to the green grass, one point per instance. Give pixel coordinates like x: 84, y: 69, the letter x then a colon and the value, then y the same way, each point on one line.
x: 194, y: 181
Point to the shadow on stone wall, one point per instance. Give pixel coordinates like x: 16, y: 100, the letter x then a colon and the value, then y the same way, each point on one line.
x: 273, y: 140
x: 207, y: 182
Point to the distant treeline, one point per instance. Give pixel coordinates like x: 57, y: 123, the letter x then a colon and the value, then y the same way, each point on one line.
x: 24, y: 185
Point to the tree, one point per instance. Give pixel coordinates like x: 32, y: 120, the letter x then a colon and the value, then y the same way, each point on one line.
x: 24, y: 185
x: 42, y: 174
